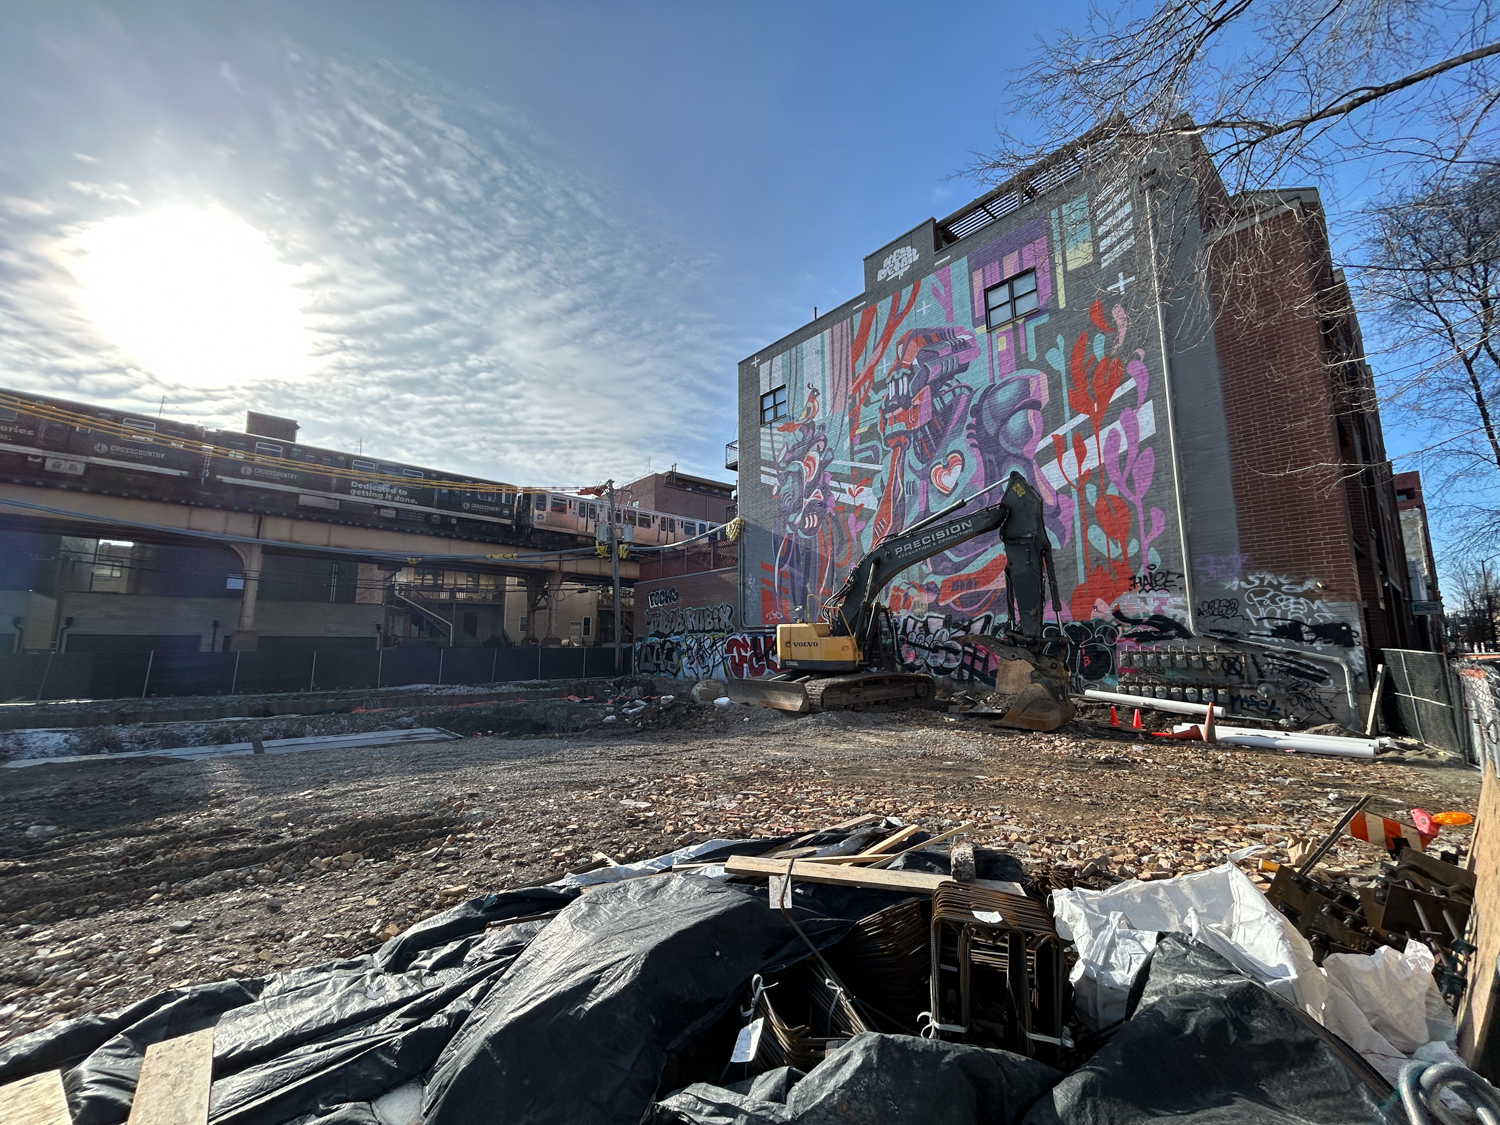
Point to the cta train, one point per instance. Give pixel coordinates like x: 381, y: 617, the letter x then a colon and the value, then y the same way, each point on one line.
x: 47, y: 441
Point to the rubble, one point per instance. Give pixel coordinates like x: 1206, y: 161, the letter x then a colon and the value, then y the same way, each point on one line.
x: 280, y: 865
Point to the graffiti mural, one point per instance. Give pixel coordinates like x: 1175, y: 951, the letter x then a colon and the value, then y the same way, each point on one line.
x: 707, y: 655
x: 916, y: 401
x: 1035, y: 352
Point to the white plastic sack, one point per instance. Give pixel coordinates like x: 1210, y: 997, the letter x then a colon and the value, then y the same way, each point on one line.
x: 1108, y: 961
x: 1396, y: 992
x: 1219, y: 907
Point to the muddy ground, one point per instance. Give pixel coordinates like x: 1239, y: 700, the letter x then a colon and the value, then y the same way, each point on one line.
x: 119, y: 878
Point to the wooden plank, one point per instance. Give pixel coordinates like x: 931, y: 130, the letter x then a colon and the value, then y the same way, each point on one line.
x: 913, y: 882
x: 1478, y: 1025
x: 857, y: 822
x: 917, y: 882
x: 964, y: 827
x: 38, y: 1100
x: 174, y: 1082
x: 895, y: 839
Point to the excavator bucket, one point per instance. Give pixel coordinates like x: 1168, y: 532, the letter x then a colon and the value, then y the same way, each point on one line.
x: 1038, y: 685
x: 783, y: 695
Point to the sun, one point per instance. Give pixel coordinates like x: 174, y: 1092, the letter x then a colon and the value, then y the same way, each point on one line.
x: 195, y: 296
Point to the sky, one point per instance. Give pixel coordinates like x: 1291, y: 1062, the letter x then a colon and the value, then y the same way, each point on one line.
x: 528, y: 241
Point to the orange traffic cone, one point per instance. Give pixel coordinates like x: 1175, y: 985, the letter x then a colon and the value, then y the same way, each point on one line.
x: 1209, y: 734
x: 1114, y: 717
x: 1136, y: 722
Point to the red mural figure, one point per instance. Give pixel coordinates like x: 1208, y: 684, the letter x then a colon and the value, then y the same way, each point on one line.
x: 1091, y: 385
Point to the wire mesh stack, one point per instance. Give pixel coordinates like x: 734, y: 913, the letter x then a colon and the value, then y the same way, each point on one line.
x: 808, y: 1016
x: 977, y: 931
x: 884, y: 961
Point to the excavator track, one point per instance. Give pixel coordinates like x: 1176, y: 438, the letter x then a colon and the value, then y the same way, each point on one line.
x: 839, y: 693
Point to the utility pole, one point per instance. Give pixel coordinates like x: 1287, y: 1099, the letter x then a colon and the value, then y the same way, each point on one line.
x: 614, y: 564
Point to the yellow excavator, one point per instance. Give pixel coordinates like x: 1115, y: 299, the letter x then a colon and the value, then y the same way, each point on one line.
x: 849, y: 659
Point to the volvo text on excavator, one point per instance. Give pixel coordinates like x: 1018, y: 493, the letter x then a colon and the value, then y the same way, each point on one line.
x: 849, y: 659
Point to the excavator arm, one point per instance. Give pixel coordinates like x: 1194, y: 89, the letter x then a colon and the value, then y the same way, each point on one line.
x: 1017, y: 518
x: 833, y: 663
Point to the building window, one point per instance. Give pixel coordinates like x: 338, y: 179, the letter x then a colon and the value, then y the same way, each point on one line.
x: 772, y: 406
x: 1013, y: 297
x: 109, y: 568
x: 588, y: 623
x: 471, y: 624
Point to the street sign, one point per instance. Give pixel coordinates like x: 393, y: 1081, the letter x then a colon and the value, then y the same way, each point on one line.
x: 1427, y: 609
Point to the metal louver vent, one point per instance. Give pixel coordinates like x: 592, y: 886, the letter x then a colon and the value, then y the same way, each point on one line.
x: 988, y: 209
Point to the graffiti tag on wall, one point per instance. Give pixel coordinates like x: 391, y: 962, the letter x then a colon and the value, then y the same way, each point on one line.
x: 694, y: 619
x: 708, y: 655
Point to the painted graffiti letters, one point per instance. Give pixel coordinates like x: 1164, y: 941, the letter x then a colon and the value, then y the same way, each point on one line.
x: 751, y: 654
x: 696, y: 619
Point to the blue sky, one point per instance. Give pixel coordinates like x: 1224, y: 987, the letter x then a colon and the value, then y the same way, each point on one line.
x: 531, y: 241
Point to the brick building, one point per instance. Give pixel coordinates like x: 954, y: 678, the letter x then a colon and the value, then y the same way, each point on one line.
x: 686, y: 597
x: 1421, y: 567
x: 1179, y: 372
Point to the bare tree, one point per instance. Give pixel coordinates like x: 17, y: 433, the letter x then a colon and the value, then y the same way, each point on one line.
x: 1269, y: 87
x: 1477, y: 591
x: 1432, y: 270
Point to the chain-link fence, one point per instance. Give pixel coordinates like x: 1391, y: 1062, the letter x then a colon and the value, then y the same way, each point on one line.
x: 1479, y: 682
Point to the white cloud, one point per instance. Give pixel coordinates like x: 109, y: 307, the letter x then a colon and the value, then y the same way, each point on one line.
x: 471, y: 305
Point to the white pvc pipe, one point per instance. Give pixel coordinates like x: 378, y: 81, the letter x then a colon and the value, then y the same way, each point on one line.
x: 1176, y: 706
x: 1328, y: 744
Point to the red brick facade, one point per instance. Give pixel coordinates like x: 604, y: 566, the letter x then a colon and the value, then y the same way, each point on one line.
x: 1312, y: 488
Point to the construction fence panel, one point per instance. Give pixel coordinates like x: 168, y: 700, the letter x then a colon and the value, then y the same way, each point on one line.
x: 1428, y: 704
x: 31, y: 676
x: 402, y: 666
x: 342, y: 670
x: 189, y: 673
x: 265, y: 672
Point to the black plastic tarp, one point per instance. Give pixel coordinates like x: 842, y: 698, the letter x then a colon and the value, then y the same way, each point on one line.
x: 566, y: 1012
x: 581, y: 1028
x: 1206, y: 1044
x: 557, y: 1004
x: 874, y: 1079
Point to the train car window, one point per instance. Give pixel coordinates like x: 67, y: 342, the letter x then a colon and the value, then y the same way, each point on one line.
x: 558, y: 504
x: 410, y: 473
x: 268, y: 449
x: 364, y: 466
x: 333, y: 462
x: 629, y: 518
x: 8, y: 415
x: 593, y: 511
x: 668, y: 525
x: 138, y: 424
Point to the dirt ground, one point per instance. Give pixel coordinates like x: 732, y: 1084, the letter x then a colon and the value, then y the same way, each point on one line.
x: 121, y: 878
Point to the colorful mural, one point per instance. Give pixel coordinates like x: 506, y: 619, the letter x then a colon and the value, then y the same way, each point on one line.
x: 912, y: 403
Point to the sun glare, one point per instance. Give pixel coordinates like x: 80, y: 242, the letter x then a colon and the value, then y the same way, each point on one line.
x: 195, y: 296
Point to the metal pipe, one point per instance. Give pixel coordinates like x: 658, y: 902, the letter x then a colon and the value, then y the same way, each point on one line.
x: 1177, y: 707
x: 1295, y: 740
x: 1149, y: 185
